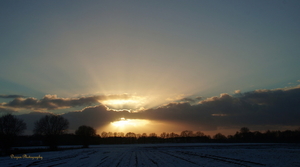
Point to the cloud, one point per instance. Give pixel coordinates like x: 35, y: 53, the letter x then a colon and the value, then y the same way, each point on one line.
x: 11, y: 96
x: 4, y: 110
x: 260, y: 107
x: 198, y: 98
x: 237, y: 91
x: 52, y: 102
x: 190, y: 100
x: 30, y: 119
x: 95, y: 116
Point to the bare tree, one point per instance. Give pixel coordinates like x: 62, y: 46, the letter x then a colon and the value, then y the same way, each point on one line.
x: 51, y: 126
x: 152, y: 135
x: 85, y: 133
x: 10, y: 127
x: 144, y: 134
x: 187, y: 133
x: 163, y: 135
x: 219, y: 137
x: 130, y: 134
x: 199, y: 134
x: 120, y: 134
x: 245, y: 134
x: 110, y: 134
x: 138, y: 135
x: 104, y: 135
x: 173, y: 135
x: 244, y: 130
x: 131, y: 137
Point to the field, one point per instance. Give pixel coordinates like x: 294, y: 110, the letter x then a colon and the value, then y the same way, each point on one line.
x: 165, y: 155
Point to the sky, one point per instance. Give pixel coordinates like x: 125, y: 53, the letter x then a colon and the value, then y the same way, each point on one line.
x: 152, y: 66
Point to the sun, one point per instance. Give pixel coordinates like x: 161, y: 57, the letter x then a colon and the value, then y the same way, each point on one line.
x: 124, y: 124
x: 119, y: 102
x: 132, y: 103
x: 121, y: 123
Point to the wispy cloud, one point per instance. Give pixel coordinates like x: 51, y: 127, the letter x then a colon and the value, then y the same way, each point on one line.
x: 11, y: 96
x: 4, y: 110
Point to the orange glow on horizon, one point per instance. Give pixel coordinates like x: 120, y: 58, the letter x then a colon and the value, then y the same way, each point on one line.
x: 139, y: 126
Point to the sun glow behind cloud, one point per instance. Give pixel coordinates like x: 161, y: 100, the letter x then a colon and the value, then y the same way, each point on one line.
x: 119, y: 101
x: 129, y: 125
x: 129, y: 102
x: 139, y: 126
x: 126, y: 123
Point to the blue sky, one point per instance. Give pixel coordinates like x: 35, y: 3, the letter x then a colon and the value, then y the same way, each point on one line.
x: 157, y: 51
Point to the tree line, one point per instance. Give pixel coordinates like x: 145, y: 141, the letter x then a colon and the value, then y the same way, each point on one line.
x: 244, y: 135
x: 51, y: 130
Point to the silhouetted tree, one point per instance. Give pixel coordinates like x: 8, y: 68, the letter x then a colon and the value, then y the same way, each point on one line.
x: 10, y: 127
x: 51, y: 126
x: 120, y: 134
x: 199, y: 134
x: 173, y: 135
x: 143, y: 138
x: 138, y: 135
x: 110, y: 134
x: 244, y: 130
x: 246, y: 135
x: 130, y: 135
x: 152, y: 135
x: 184, y: 133
x: 219, y: 137
x: 85, y: 133
x: 187, y: 135
x: 163, y: 135
x: 104, y: 135
x: 168, y: 135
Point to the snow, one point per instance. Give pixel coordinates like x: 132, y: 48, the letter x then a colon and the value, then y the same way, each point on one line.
x: 166, y: 155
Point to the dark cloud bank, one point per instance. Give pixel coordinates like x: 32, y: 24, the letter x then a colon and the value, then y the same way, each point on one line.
x: 11, y: 96
x: 278, y: 107
x: 52, y: 102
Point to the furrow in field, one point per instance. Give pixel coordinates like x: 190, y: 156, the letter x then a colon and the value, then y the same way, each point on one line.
x: 162, y: 159
x: 149, y: 156
x: 189, y: 162
x: 223, y: 159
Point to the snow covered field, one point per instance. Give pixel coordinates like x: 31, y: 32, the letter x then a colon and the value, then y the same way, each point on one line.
x: 166, y: 155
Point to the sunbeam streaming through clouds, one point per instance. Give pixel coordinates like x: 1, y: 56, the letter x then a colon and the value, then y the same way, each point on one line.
x: 152, y: 66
